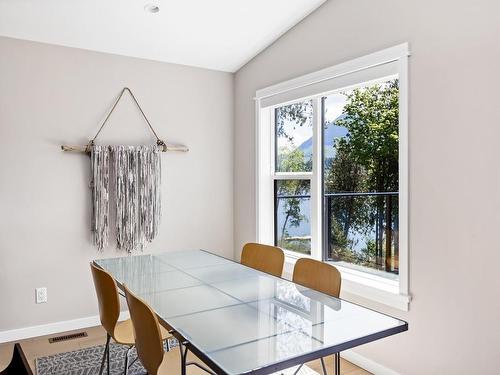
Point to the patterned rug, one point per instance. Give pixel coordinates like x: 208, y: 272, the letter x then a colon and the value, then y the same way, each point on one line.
x: 88, y: 362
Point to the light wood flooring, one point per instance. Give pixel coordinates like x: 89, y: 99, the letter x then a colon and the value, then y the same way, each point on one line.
x: 40, y: 347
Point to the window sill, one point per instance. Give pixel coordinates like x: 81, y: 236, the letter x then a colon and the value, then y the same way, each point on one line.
x: 362, y: 288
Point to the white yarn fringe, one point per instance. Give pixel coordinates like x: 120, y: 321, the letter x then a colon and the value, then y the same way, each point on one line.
x: 137, y: 178
x: 99, y: 163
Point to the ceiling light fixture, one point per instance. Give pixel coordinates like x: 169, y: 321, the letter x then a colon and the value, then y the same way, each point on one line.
x: 151, y: 8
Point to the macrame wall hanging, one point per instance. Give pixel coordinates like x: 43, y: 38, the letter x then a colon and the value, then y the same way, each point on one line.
x: 125, y: 184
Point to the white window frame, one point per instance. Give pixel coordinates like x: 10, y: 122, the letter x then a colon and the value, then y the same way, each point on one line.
x: 359, y: 286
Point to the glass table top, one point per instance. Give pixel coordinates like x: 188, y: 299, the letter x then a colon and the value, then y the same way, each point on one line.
x: 243, y: 320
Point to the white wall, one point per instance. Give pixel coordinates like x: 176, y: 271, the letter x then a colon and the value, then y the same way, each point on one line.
x: 454, y: 164
x: 53, y: 95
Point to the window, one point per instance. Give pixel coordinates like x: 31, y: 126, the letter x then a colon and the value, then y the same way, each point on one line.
x: 332, y: 170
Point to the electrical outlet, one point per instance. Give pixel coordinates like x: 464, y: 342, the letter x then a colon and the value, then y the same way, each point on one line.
x: 41, y: 295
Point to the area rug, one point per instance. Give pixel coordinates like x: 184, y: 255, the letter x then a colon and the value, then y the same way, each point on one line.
x: 88, y: 362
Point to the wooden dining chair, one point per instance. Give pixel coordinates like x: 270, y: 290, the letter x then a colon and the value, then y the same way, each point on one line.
x: 109, y: 312
x: 265, y: 258
x: 324, y: 278
x: 317, y: 275
x: 18, y: 365
x: 148, y: 341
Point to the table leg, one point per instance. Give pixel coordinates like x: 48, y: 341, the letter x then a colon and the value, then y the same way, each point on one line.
x: 183, y: 357
x: 298, y: 369
x: 336, y: 358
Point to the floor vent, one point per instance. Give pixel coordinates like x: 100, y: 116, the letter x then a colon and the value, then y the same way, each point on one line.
x: 67, y: 337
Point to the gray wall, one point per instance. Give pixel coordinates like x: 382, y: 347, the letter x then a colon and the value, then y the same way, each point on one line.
x: 454, y: 164
x: 53, y: 95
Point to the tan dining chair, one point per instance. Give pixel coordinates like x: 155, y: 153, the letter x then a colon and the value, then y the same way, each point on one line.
x: 109, y: 311
x: 265, y: 258
x: 324, y: 278
x: 148, y: 342
x: 317, y: 275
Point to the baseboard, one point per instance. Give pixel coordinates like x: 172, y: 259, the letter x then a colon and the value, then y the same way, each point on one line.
x: 52, y: 328
x: 367, y: 364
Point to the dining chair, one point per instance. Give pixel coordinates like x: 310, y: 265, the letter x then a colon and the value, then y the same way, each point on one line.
x: 18, y: 365
x: 148, y: 342
x: 109, y: 311
x: 324, y: 278
x: 265, y: 258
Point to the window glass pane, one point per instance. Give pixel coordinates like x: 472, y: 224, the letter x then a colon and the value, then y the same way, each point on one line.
x: 360, y: 149
x: 293, y: 137
x: 363, y: 231
x: 292, y: 211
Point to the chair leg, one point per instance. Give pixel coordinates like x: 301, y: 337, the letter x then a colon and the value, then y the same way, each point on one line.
x: 323, y: 366
x: 132, y: 363
x: 336, y: 358
x: 184, y: 363
x: 106, y: 348
x: 109, y: 364
x: 125, y: 371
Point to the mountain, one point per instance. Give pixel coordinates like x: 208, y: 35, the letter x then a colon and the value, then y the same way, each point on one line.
x: 331, y: 132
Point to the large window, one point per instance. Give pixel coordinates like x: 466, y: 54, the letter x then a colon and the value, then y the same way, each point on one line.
x: 332, y: 168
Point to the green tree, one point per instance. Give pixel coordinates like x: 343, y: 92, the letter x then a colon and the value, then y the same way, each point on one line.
x: 372, y: 121
x: 366, y: 160
x: 293, y: 160
x: 296, y: 114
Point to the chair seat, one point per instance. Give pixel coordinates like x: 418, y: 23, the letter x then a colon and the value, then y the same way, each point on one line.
x: 171, y: 364
x: 124, y: 333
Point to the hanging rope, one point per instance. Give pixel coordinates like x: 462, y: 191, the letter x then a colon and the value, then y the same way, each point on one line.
x: 159, y: 142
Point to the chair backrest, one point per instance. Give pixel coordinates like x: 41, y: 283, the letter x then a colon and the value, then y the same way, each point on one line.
x: 265, y: 258
x: 107, y: 297
x: 317, y: 275
x: 148, y: 341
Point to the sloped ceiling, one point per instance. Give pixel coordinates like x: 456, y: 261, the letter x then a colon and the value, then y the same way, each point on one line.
x: 218, y: 34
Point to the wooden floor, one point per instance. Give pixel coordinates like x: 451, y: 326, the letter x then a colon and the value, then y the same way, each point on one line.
x: 40, y: 347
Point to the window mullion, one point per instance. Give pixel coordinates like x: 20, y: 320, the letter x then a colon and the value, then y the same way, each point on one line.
x: 316, y: 188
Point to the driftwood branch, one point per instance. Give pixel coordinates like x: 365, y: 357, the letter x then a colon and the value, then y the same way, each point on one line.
x: 163, y: 148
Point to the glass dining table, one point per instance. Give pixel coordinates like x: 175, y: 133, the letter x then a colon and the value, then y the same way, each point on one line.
x: 238, y: 320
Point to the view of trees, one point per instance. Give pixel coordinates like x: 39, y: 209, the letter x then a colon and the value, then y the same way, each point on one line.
x: 291, y: 205
x: 363, y: 228
x: 292, y: 160
x: 366, y: 161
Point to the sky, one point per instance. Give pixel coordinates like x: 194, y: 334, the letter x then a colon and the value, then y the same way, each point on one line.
x: 334, y: 104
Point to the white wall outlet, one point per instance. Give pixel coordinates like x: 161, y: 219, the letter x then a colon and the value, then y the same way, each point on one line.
x: 41, y: 295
